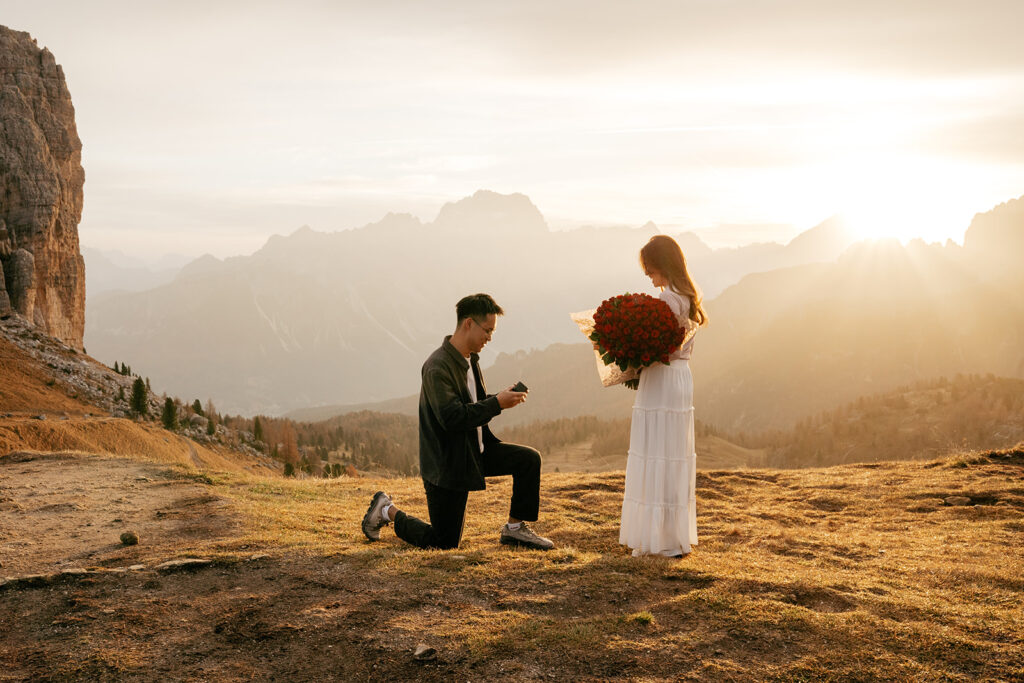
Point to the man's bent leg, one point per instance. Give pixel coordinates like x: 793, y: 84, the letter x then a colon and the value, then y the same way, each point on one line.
x: 447, y: 510
x: 523, y: 463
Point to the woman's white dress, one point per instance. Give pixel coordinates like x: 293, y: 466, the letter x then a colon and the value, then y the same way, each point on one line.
x: 659, y: 511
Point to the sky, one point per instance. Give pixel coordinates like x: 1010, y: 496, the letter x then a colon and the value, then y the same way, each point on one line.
x: 209, y: 126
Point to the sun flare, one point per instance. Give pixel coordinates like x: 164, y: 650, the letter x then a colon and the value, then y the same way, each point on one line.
x: 904, y: 199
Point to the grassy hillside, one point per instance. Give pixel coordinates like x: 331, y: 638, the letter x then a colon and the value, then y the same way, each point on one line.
x: 26, y: 387
x: 922, y: 420
x: 55, y: 399
x: 121, y: 437
x: 891, y: 571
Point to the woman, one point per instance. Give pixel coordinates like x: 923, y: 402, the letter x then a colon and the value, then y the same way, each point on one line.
x: 659, y: 513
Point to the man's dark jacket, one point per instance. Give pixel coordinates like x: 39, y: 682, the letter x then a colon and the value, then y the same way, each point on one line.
x: 449, y: 448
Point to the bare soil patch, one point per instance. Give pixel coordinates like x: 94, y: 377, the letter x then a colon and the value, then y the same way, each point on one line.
x: 69, y: 510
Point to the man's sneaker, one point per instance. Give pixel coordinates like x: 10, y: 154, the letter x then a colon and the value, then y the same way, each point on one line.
x: 525, y: 537
x: 373, y: 520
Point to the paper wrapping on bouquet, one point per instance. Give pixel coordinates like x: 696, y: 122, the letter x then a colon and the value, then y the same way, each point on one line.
x: 611, y: 374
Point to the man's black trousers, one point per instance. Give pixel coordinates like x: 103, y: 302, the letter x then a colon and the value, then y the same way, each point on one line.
x: 447, y: 508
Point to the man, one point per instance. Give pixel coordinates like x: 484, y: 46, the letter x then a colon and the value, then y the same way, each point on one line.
x: 457, y: 449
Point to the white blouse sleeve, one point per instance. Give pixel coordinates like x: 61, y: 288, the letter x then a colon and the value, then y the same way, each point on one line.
x: 680, y: 305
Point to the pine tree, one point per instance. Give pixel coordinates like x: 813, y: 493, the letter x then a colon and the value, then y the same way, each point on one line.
x: 117, y: 368
x: 289, y: 470
x: 170, y: 414
x: 257, y: 429
x: 211, y: 428
x: 197, y: 407
x: 139, y: 393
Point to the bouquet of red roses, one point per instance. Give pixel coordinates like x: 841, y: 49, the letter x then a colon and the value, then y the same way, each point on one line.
x: 635, y: 331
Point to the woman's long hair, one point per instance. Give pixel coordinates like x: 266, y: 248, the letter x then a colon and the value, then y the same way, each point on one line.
x: 662, y: 253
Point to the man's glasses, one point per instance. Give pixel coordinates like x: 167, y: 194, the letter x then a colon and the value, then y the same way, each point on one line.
x: 488, y: 332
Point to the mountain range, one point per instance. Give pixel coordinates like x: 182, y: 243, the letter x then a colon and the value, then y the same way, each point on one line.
x: 348, y: 317
x: 788, y: 343
x: 111, y: 271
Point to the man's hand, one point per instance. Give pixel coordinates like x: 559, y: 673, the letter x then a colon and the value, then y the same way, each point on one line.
x: 510, y: 399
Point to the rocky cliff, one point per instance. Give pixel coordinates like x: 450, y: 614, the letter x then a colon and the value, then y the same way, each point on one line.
x: 42, y: 274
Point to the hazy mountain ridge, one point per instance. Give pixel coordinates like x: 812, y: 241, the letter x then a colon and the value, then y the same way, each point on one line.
x: 326, y: 318
x: 792, y: 342
x: 106, y: 272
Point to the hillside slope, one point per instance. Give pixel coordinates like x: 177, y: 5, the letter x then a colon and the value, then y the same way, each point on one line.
x: 26, y: 387
x: 56, y: 399
x: 923, y: 420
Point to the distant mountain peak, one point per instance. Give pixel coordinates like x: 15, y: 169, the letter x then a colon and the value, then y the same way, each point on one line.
x: 998, y: 233
x: 204, y: 265
x: 394, y: 220
x: 491, y: 211
x: 834, y: 231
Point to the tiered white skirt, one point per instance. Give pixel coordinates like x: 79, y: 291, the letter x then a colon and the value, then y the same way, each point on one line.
x: 659, y: 510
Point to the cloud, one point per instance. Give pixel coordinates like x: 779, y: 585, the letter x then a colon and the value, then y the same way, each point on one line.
x: 994, y: 137
x: 263, y: 116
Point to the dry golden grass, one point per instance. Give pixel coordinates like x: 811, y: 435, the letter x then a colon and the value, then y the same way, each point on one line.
x: 26, y: 386
x: 846, y: 573
x: 119, y: 437
x: 715, y: 454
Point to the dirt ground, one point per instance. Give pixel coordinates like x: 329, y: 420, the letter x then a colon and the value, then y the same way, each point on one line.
x: 68, y: 510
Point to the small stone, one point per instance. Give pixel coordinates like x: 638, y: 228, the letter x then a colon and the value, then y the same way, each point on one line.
x: 424, y: 653
x: 136, y: 567
x: 74, y: 572
x: 182, y: 565
x: 129, y: 538
x: 259, y: 556
x: 957, y: 500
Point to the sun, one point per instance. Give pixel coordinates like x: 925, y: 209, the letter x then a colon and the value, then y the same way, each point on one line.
x: 878, y: 218
x: 903, y: 199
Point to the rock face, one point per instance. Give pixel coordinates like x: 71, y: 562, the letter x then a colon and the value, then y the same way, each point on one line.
x: 42, y: 273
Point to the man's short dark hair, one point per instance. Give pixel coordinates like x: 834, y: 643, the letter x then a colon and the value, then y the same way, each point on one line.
x: 477, y: 306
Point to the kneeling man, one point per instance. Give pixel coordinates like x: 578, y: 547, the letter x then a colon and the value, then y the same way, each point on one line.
x: 457, y: 449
